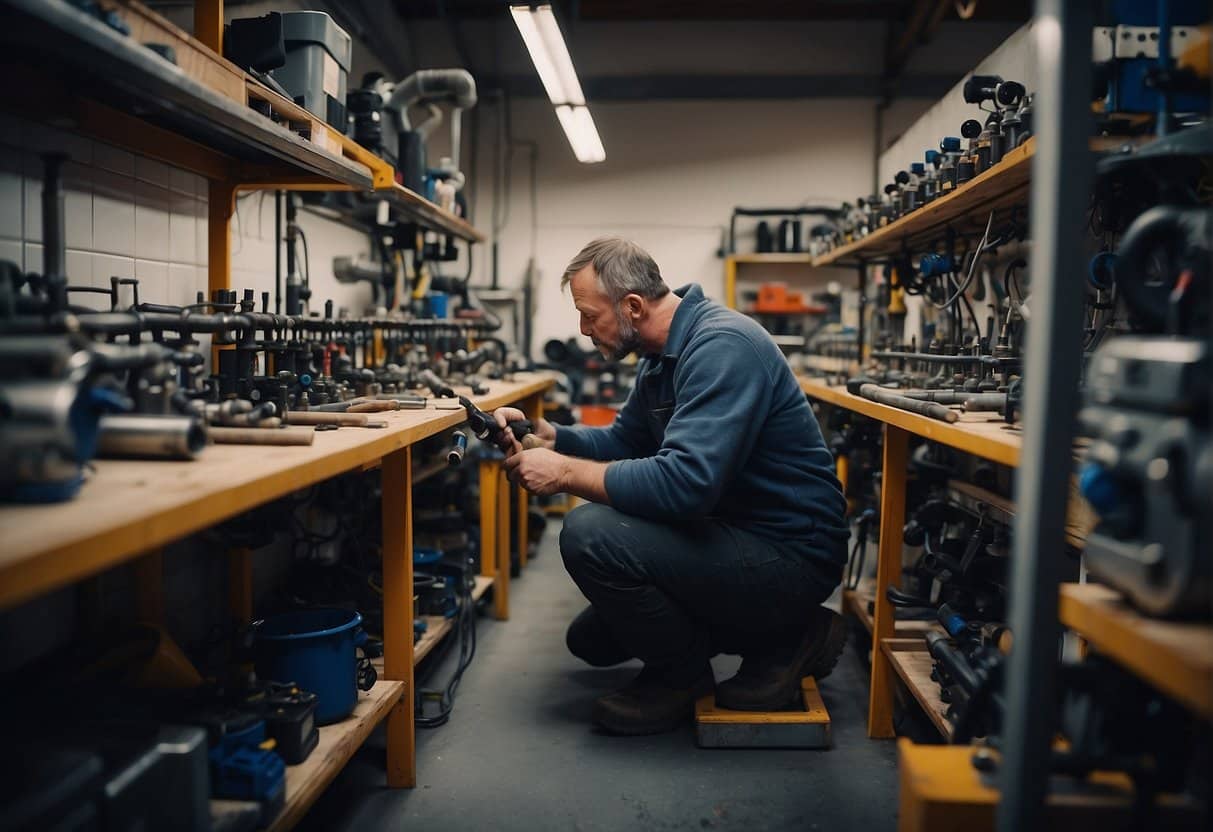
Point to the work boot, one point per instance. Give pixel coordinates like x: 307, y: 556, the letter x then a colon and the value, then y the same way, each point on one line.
x: 650, y: 705
x: 770, y: 681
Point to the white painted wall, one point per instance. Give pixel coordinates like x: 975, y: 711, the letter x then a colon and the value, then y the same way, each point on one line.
x: 673, y: 174
x: 1014, y: 60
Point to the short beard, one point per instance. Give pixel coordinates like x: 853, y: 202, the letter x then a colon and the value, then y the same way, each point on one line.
x: 629, y: 338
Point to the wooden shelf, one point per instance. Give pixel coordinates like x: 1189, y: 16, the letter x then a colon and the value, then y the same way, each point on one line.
x: 855, y: 601
x: 483, y: 582
x: 798, y: 258
x: 1000, y: 187
x: 426, y: 213
x: 1174, y: 656
x: 306, y: 781
x: 940, y: 789
x: 1080, y: 517
x: 194, y: 115
x: 65, y: 65
x: 980, y: 434
x: 129, y: 507
x: 912, y: 663
x: 436, y: 628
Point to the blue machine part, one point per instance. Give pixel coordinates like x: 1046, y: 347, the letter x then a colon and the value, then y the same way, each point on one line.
x: 931, y: 265
x: 1128, y: 90
x: 241, y: 769
x: 1101, y: 271
x: 1099, y: 488
x: 426, y: 557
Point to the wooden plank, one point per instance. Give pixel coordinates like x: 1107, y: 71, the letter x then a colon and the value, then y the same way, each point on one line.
x: 129, y: 507
x: 501, y: 596
x: 396, y: 509
x: 999, y: 188
x: 120, y: 72
x: 813, y: 710
x: 856, y: 602
x: 1174, y: 656
x: 306, y: 781
x: 483, y: 583
x: 436, y: 629
x: 980, y: 434
x: 913, y: 663
x: 941, y: 790
x: 193, y: 57
x: 417, y: 207
x: 1080, y: 517
x: 773, y: 257
x: 888, y: 571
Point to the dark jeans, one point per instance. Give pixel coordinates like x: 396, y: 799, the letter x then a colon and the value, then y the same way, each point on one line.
x: 675, y: 595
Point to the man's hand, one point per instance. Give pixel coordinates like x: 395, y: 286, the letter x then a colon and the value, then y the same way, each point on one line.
x: 543, y: 430
x: 540, y: 471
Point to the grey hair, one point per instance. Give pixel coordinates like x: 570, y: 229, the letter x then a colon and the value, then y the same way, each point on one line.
x: 622, y: 267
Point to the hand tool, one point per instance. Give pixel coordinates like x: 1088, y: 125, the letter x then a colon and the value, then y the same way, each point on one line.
x: 485, y: 427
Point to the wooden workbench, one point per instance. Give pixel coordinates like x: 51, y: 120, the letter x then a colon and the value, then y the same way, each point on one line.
x: 980, y: 434
x: 128, y: 509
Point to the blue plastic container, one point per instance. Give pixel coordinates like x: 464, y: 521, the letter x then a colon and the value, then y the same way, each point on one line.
x: 438, y: 304
x: 317, y: 650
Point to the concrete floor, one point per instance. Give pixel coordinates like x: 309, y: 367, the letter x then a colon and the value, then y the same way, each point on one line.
x: 519, y: 752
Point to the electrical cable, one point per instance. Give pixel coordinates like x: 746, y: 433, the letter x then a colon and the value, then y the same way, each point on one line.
x: 981, y: 247
x: 466, y: 626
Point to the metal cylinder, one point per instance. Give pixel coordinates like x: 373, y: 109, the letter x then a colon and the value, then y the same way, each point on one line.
x: 459, y: 445
x: 143, y: 436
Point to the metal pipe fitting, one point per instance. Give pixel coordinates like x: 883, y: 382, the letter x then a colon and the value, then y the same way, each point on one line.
x: 145, y: 436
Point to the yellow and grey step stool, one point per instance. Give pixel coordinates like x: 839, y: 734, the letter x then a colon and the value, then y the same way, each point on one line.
x: 805, y: 727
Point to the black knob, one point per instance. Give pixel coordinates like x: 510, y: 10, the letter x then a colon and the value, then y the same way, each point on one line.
x: 971, y: 128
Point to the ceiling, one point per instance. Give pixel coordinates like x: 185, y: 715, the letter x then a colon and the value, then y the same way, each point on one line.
x: 619, y: 10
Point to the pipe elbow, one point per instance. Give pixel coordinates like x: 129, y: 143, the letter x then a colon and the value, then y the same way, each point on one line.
x: 456, y: 86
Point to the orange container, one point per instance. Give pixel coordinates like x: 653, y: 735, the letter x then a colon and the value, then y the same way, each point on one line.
x: 597, y: 415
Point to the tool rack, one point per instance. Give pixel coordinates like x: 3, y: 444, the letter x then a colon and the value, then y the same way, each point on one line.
x: 66, y: 67
x: 131, y: 508
x: 938, y: 781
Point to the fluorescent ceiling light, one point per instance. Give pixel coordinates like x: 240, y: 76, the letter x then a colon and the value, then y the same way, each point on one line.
x: 543, y: 40
x: 583, y: 135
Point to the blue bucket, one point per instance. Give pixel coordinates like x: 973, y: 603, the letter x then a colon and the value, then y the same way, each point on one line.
x: 317, y: 650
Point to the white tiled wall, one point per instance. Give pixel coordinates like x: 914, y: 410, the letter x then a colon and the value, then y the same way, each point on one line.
x: 130, y: 216
x: 125, y: 216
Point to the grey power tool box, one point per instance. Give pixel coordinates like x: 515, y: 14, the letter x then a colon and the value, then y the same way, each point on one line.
x: 317, y: 61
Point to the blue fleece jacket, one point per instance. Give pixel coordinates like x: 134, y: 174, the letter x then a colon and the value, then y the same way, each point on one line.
x: 716, y: 426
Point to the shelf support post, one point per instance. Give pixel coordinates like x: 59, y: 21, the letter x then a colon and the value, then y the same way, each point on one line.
x: 501, y: 587
x: 888, y: 571
x: 221, y: 205
x: 396, y: 478
x: 861, y: 328
x: 1061, y: 178
x: 208, y: 23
